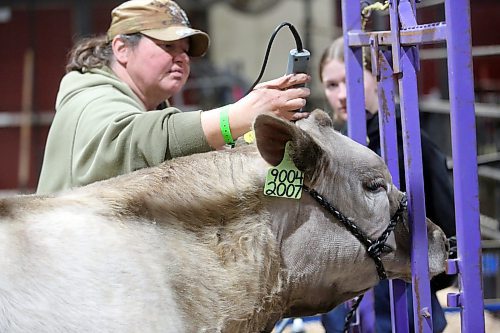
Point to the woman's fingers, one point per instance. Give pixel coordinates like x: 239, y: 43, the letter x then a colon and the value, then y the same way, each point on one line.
x: 293, y: 104
x: 293, y: 99
x: 299, y: 115
x: 285, y: 82
x: 280, y: 96
x: 283, y: 103
x: 293, y: 93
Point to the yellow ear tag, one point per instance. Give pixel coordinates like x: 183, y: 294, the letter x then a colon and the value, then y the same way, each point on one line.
x: 249, y: 137
x: 284, y: 180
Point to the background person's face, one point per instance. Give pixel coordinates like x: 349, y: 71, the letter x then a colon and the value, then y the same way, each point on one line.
x: 335, y: 89
x: 159, y: 69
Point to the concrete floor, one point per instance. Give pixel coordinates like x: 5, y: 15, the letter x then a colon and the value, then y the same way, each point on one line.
x: 492, y: 323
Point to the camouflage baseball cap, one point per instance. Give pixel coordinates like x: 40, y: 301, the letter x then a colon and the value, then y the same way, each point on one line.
x: 160, y: 19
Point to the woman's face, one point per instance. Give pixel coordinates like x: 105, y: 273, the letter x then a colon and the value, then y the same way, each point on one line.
x: 157, y: 70
x: 335, y: 89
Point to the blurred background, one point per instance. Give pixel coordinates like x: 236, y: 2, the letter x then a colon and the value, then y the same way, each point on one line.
x: 37, y: 34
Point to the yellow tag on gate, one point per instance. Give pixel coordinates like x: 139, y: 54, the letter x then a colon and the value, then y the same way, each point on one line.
x: 284, y: 180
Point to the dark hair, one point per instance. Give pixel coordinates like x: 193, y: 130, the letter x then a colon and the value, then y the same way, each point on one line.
x: 95, y: 52
x: 336, y: 52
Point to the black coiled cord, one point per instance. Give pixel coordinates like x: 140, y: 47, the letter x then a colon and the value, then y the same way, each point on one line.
x: 298, y: 42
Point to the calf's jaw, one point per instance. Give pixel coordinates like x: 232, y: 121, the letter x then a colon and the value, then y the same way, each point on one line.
x: 398, y: 264
x: 347, y: 270
x: 438, y: 249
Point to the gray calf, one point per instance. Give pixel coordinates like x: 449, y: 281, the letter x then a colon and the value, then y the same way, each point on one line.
x: 194, y: 245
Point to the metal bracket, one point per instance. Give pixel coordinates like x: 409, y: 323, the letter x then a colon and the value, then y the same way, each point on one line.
x: 454, y: 300
x: 406, y: 14
x: 395, y: 31
x: 452, y: 266
x: 374, y: 55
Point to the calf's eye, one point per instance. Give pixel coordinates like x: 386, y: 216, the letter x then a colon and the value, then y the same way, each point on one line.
x: 375, y: 186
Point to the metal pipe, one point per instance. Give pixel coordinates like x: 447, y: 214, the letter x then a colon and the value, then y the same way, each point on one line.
x: 465, y: 179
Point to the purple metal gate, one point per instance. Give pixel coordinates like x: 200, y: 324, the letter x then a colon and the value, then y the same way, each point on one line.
x: 403, y: 38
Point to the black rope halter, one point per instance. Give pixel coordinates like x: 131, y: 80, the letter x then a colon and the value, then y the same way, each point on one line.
x: 373, y: 247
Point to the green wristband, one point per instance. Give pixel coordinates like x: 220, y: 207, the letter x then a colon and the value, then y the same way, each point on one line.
x: 224, y: 127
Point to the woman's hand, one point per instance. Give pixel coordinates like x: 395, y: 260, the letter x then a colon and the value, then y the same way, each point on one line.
x: 279, y: 96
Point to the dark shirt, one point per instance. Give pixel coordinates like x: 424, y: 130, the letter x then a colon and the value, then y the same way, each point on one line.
x: 439, y: 206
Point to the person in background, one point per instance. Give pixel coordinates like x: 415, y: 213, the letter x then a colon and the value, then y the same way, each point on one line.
x: 437, y: 184
x: 112, y: 115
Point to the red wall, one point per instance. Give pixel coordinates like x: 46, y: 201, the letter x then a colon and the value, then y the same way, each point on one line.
x: 485, y: 20
x: 48, y: 33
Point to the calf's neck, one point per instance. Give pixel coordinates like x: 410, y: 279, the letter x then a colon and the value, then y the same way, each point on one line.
x: 194, y: 245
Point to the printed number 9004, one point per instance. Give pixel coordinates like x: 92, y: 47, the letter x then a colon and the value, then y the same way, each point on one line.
x: 283, y: 183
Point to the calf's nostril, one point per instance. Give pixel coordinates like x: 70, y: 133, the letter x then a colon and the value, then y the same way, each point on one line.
x: 387, y: 249
x: 451, y: 247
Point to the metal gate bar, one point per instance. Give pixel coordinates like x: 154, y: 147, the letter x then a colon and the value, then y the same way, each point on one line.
x: 463, y: 136
x: 389, y: 150
x: 404, y: 37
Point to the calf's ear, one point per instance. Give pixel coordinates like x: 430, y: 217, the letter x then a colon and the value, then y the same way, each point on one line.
x: 271, y: 136
x: 321, y: 118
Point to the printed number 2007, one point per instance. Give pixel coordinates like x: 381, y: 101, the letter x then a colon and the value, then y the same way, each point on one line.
x: 283, y: 183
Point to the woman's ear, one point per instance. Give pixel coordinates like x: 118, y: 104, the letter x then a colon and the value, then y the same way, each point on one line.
x: 120, y: 50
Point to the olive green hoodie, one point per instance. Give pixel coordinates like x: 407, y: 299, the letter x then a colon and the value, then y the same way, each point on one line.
x: 101, y: 129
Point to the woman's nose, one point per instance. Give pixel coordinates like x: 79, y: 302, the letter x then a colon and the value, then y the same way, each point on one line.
x: 342, y: 91
x: 181, y: 56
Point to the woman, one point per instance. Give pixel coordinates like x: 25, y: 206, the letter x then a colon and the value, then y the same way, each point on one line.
x: 111, y: 115
x: 438, y: 188
x: 332, y: 74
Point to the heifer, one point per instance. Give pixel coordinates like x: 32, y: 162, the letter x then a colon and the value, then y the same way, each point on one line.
x: 194, y: 245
